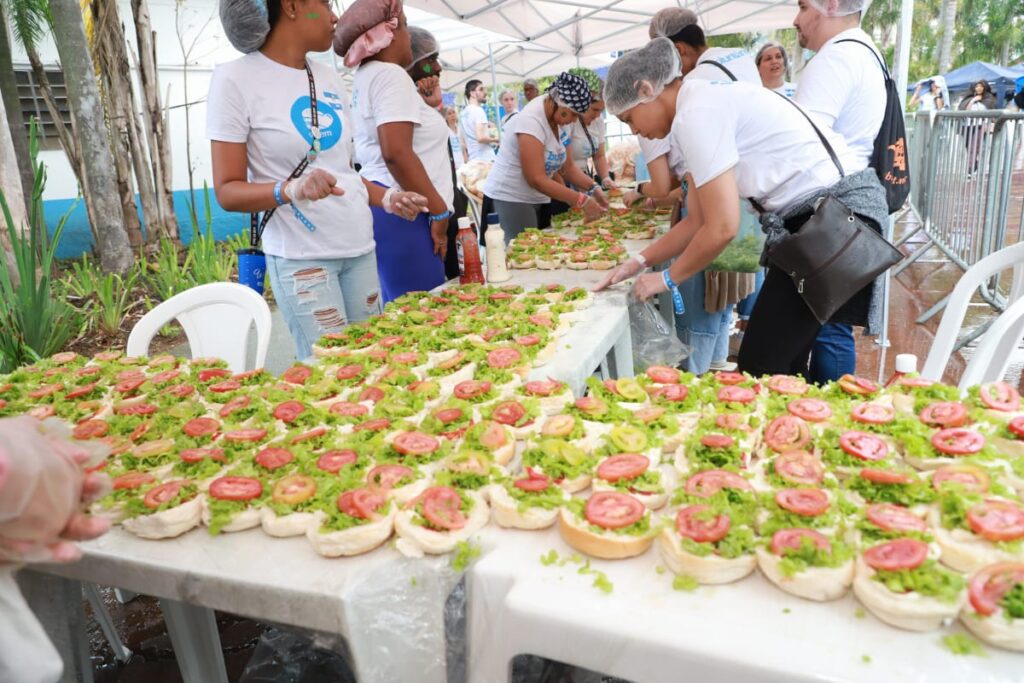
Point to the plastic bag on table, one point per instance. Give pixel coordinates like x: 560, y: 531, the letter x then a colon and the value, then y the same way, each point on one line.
x: 287, y: 656
x: 743, y: 254
x: 654, y: 339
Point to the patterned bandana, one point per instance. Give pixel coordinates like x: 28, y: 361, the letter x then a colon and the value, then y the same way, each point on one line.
x: 573, y: 91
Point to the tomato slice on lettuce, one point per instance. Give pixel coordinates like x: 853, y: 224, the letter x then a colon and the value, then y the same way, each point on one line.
x: 1000, y: 396
x: 274, y: 458
x: 333, y: 461
x: 165, y: 493
x: 973, y: 479
x: 442, y: 508
x: 662, y: 374
x: 787, y: 384
x: 997, y: 520
x: 297, y: 374
x: 709, y: 482
x: 800, y: 467
x: 236, y: 488
x: 90, y: 429
x: 289, y: 411
x: 810, y: 409
x: 803, y: 502
x: 864, y: 446
x: 872, y: 414
x: 792, y: 539
x: 386, y: 477
x: 958, y: 441
x: 613, y: 510
x: 787, y: 433
x: 892, y: 556
x: 623, y: 466
x: 201, y: 426
x: 133, y: 480
x: 944, y: 414
x: 734, y: 394
x: 700, y: 524
x: 889, y: 517
x: 858, y: 386
x: 988, y: 587
x: 717, y: 441
x: 877, y: 476
x: 415, y: 443
x: 294, y: 489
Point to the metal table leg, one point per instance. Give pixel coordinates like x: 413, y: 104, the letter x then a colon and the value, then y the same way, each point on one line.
x: 99, y: 611
x: 193, y: 632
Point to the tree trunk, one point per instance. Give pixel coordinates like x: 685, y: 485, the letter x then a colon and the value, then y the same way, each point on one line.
x: 153, y: 117
x: 17, y: 132
x: 948, y: 30
x: 97, y: 160
x: 10, y: 185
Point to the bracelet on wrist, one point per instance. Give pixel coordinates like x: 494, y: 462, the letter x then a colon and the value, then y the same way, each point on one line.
x: 673, y: 288
x: 278, y: 197
x: 440, y: 216
x: 640, y: 259
x: 593, y: 188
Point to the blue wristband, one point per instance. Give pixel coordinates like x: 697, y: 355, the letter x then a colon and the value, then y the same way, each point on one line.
x: 677, y: 298
x: 440, y: 216
x: 277, y: 193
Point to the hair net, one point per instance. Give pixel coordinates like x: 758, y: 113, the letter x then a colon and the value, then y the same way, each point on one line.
x: 670, y: 21
x: 424, y: 44
x: 366, y: 28
x: 843, y: 7
x: 572, y: 91
x: 640, y: 76
x: 246, y: 23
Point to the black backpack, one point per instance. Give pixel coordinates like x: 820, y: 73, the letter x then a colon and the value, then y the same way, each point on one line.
x: 889, y: 158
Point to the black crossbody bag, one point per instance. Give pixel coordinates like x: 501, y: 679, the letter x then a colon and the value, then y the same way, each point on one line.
x: 834, y: 254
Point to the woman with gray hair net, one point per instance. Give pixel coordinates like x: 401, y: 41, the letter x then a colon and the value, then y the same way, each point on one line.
x: 738, y: 139
x: 280, y: 144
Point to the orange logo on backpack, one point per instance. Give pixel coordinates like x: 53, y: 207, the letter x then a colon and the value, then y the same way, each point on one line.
x: 899, y: 155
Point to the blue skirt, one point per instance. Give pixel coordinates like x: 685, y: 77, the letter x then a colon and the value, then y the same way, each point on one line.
x: 405, y: 255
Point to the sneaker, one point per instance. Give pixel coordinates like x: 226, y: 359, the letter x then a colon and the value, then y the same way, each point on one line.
x: 722, y: 366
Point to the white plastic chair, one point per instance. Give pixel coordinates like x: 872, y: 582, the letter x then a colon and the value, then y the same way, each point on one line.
x: 992, y: 357
x: 216, y: 319
x: 956, y: 308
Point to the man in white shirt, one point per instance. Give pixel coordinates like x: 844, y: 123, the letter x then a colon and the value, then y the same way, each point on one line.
x: 842, y: 87
x: 475, y: 127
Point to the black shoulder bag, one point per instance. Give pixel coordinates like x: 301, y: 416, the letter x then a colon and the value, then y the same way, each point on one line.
x: 834, y: 254
x: 889, y: 156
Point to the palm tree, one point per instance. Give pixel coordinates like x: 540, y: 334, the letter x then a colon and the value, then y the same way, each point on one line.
x: 948, y: 23
x: 26, y: 19
x: 97, y: 160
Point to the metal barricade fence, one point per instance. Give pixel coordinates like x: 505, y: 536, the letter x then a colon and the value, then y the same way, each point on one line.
x: 961, y: 165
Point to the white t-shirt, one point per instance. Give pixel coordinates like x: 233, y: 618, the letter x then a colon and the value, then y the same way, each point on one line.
x: 843, y: 88
x: 265, y: 105
x: 506, y: 181
x: 737, y: 61
x: 775, y: 154
x: 653, y: 147
x: 583, y: 147
x: 471, y: 115
x: 384, y: 93
x: 787, y: 89
x: 456, y: 143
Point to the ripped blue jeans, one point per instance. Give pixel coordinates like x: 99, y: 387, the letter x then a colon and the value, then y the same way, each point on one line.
x: 316, y: 297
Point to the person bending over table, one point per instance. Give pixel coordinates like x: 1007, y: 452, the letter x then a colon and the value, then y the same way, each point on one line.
x: 738, y: 139
x: 586, y: 143
x: 534, y: 150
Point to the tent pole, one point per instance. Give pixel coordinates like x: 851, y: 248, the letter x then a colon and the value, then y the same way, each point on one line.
x: 494, y: 85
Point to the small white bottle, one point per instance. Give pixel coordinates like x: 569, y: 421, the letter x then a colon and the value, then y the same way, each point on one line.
x: 497, y: 264
x: 906, y: 364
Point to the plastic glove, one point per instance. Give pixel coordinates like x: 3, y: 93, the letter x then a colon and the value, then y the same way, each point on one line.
x: 592, y: 210
x: 408, y: 205
x: 600, y: 198
x: 631, y: 197
x: 313, y: 185
x: 648, y: 285
x: 622, y: 272
x: 609, y: 184
x: 43, y: 488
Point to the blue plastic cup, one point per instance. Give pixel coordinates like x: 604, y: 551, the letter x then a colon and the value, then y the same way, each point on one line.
x: 252, y: 268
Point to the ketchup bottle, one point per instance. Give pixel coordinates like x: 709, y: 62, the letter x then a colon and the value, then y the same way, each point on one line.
x: 470, y: 268
x: 906, y: 363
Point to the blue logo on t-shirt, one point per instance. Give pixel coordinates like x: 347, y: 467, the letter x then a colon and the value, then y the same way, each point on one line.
x: 329, y: 120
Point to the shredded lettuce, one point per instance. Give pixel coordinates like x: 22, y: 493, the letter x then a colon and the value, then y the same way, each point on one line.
x: 930, y: 580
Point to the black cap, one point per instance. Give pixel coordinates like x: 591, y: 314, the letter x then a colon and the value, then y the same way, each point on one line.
x: 492, y: 218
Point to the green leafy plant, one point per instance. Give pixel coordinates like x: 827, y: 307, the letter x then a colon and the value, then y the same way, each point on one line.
x: 84, y: 278
x: 166, y: 275
x: 207, y: 261
x: 114, y: 295
x: 34, y: 322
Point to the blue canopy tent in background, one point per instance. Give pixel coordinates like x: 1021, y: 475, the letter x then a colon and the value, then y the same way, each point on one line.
x: 1001, y: 78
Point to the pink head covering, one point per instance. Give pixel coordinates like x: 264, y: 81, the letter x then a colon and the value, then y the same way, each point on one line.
x: 366, y: 28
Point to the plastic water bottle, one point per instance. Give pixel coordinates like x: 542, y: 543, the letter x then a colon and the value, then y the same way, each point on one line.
x: 468, y: 249
x: 906, y: 363
x: 497, y: 263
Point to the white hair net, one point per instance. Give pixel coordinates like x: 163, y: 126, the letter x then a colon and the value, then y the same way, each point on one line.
x: 640, y: 76
x: 246, y: 23
x: 424, y: 44
x: 670, y: 21
x: 843, y: 7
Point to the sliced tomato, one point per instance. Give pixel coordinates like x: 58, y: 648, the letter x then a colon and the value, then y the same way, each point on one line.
x: 225, y: 386
x: 490, y: 334
x: 700, y: 524
x: 787, y: 384
x: 650, y: 414
x: 164, y: 377
x: 787, y: 433
x: 973, y: 479
x: 542, y: 320
x: 181, y: 390
x: 415, y: 443
x: 872, y: 414
x: 209, y: 374
x: 314, y: 433
x: 297, y: 374
x: 81, y: 391
x: 47, y: 390
x: 386, y: 477
x: 504, y: 358
x: 160, y: 495
x: 673, y: 393
x: 799, y: 467
x: 717, y: 441
x: 134, y: 407
x: 406, y: 358
x: 378, y: 424
x: 201, y: 426
x: 448, y: 415
x: 528, y: 340
x: 892, y: 556
x: 784, y: 539
x: 442, y: 508
x: 64, y: 357
x: 247, y: 375
x: 1000, y: 396
x: 889, y: 517
x: 274, y: 458
x: 333, y: 461
x: 709, y: 482
x: 533, y: 483
x: 884, y: 476
x: 915, y: 382
x: 733, y: 394
x: 131, y: 374
x: 1016, y: 426
x: 958, y: 441
x: 453, y: 362
x: 391, y: 341
x: 236, y: 488
x: 864, y: 446
x: 543, y: 387
x: 730, y: 378
x: 347, y: 372
x: 997, y: 520
x: 42, y: 412
x: 289, y: 411
x: 591, y: 405
x: 471, y: 388
x: 623, y: 466
x: 87, y: 371
x: 732, y: 421
x: 140, y: 431
x: 944, y: 414
x: 107, y: 356
x: 613, y: 510
x: 988, y: 587
x: 662, y: 374
x: 90, y: 429
x: 857, y: 386
x: 133, y: 480
x: 361, y: 503
x: 239, y: 435
x: 348, y: 409
x: 199, y: 454
x: 803, y: 502
x: 371, y: 394
x: 294, y: 489
x: 493, y: 436
x: 237, y: 403
x: 809, y: 409
x: 508, y: 413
